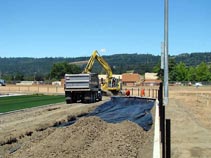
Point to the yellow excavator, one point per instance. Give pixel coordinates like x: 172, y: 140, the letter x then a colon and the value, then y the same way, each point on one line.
x: 111, y: 84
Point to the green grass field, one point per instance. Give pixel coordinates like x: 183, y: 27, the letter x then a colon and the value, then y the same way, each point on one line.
x: 27, y: 101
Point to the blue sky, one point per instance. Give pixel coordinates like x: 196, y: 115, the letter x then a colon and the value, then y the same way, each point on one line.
x: 74, y: 28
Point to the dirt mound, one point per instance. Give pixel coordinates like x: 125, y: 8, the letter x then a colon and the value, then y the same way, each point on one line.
x: 90, y: 137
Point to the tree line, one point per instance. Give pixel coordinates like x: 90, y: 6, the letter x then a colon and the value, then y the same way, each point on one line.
x: 183, y: 67
x: 181, y: 72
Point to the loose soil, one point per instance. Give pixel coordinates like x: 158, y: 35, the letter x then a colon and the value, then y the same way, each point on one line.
x: 32, y: 133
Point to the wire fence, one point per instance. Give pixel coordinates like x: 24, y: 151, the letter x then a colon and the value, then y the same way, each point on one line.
x: 49, y: 89
x: 189, y: 83
x: 151, y: 92
x: 146, y: 91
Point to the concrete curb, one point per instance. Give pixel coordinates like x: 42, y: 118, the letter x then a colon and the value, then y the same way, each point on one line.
x: 157, y: 139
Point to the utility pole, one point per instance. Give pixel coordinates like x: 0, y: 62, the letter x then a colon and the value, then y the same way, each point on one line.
x: 166, y: 82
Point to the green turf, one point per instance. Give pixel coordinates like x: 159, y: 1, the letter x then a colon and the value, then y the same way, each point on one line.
x: 27, y: 101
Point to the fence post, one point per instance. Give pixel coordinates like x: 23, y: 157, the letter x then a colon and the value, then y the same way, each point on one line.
x: 164, y: 131
x: 168, y: 138
x: 162, y: 118
x: 156, y: 93
x: 152, y: 93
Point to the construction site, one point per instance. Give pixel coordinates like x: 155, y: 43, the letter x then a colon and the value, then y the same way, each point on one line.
x: 149, y: 106
x: 91, y: 115
x: 44, y: 131
x: 99, y: 119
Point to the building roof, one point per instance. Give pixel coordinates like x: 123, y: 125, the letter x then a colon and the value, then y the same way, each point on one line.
x: 130, y: 77
x: 150, y: 76
x: 152, y: 81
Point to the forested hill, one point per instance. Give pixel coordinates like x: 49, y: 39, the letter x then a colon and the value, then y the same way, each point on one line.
x: 193, y: 59
x: 120, y: 63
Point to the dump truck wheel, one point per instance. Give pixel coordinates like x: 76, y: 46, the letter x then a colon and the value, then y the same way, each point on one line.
x: 68, y: 101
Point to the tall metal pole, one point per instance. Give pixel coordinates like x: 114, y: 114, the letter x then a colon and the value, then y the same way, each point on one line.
x: 162, y: 56
x: 166, y: 92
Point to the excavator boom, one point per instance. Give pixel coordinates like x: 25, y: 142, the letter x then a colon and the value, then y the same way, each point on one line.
x: 96, y: 56
x: 111, y: 84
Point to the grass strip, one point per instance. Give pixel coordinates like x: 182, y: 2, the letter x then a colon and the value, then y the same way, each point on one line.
x: 27, y: 101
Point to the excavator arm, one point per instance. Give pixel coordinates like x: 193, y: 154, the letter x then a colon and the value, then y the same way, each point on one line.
x: 90, y: 63
x: 111, y: 84
x: 95, y: 56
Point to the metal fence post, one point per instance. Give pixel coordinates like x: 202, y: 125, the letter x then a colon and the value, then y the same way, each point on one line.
x: 162, y: 118
x: 168, y: 138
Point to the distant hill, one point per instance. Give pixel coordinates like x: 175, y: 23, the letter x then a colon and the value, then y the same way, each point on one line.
x: 193, y: 59
x: 120, y: 63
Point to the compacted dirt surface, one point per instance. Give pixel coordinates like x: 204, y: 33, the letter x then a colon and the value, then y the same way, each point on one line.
x: 189, y: 109
x: 35, y: 133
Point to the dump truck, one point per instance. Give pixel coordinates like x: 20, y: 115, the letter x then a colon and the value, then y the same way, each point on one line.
x: 83, y: 87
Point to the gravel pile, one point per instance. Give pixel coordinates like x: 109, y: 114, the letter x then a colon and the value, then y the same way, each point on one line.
x: 90, y: 137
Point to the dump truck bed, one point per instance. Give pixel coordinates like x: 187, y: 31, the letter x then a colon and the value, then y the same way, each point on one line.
x: 84, y: 87
x: 81, y: 82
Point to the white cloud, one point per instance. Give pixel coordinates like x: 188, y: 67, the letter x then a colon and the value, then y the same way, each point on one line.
x: 103, y: 50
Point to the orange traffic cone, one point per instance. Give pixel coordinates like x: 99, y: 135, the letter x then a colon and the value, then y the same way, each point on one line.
x: 127, y: 92
x: 143, y: 92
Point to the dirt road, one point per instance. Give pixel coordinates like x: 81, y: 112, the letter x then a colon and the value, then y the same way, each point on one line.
x: 190, y: 112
